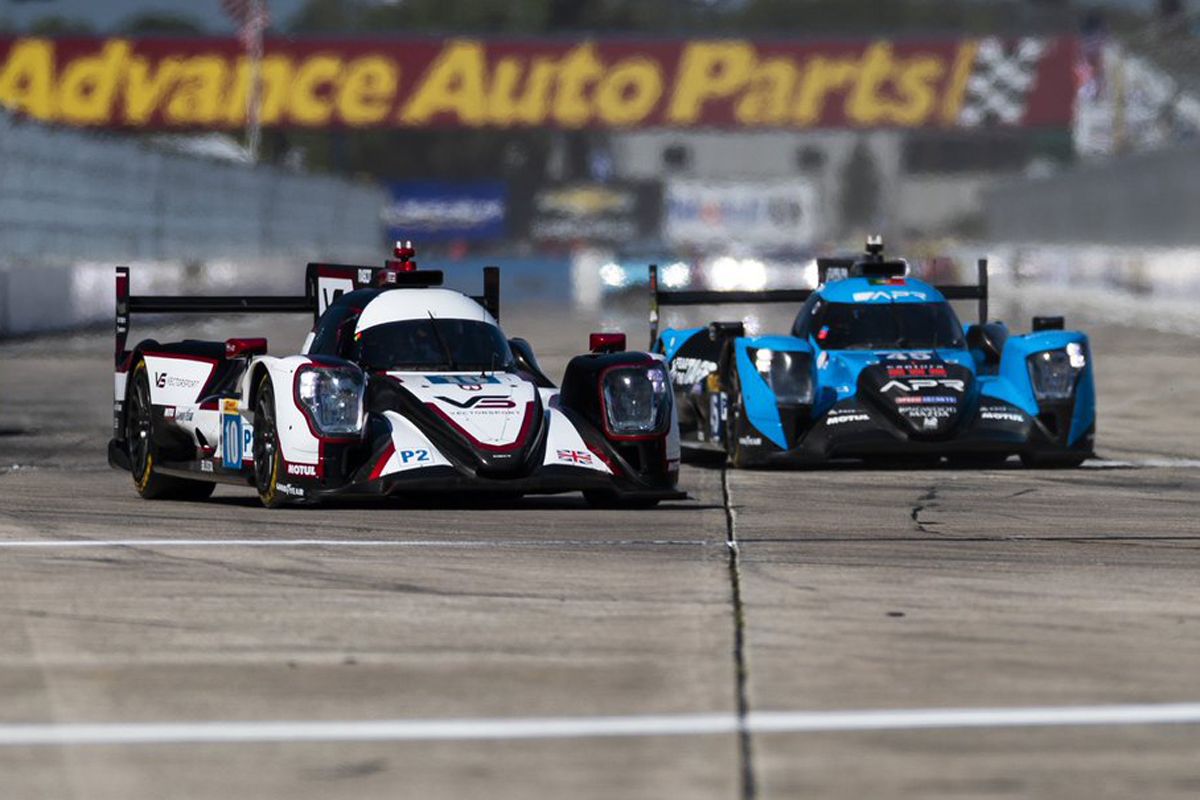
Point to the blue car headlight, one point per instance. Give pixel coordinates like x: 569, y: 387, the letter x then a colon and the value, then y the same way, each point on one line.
x: 1055, y: 372
x: 788, y: 374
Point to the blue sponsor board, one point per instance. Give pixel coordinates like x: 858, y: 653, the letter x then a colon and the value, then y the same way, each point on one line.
x: 445, y: 211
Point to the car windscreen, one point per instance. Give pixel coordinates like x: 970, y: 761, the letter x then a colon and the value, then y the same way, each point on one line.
x: 881, y: 326
x: 433, y: 344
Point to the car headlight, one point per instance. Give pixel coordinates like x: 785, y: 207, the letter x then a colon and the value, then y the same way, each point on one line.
x: 331, y: 397
x: 637, y: 399
x: 1054, y: 372
x: 788, y: 374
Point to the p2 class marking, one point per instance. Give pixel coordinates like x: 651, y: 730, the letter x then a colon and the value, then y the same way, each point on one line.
x: 425, y: 730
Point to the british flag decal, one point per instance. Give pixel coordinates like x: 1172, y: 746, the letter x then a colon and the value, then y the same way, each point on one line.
x: 575, y: 456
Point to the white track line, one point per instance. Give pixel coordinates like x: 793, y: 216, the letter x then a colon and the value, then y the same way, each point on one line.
x: 1145, y: 463
x: 426, y: 730
x: 68, y: 544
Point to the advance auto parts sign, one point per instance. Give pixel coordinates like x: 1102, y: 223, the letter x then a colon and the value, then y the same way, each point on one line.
x: 158, y: 84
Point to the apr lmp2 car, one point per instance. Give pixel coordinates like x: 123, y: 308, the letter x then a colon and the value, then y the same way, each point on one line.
x: 878, y: 368
x: 402, y: 386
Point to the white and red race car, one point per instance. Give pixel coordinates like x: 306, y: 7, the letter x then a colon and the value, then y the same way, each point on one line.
x: 402, y: 386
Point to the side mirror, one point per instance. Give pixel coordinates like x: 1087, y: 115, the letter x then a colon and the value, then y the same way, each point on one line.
x: 606, y: 342
x: 1047, y: 324
x: 240, y: 348
x: 725, y: 330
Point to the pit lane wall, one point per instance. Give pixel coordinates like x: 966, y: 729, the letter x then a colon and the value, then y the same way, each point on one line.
x: 72, y: 203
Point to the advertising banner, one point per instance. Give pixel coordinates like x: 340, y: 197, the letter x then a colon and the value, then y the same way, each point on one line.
x: 782, y: 214
x: 442, y: 211
x: 598, y: 212
x: 203, y: 83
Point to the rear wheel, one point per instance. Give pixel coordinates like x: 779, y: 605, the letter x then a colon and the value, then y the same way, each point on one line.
x: 139, y: 436
x: 268, y: 461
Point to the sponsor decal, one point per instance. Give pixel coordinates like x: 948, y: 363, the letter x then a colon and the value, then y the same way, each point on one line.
x: 231, y: 435
x: 184, y: 415
x: 156, y: 83
x: 206, y: 466
x: 925, y: 399
x: 364, y: 276
x: 415, y: 456
x: 855, y: 416
x: 751, y: 441
x: 689, y: 371
x: 939, y: 412
x: 916, y: 371
x: 917, y: 384
x: 574, y: 456
x: 288, y: 489
x: 165, y: 380
x: 1001, y: 414
x: 302, y: 470
x: 483, y: 401
x: 329, y: 289
x: 472, y: 383
x: 897, y: 294
x: 822, y: 360
x: 913, y: 355
x: 929, y: 423
x: 247, y: 441
x: 169, y: 412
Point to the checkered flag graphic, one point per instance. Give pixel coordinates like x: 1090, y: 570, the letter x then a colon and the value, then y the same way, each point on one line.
x: 1001, y: 78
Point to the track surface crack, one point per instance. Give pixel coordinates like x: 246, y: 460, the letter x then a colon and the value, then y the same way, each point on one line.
x: 741, y: 668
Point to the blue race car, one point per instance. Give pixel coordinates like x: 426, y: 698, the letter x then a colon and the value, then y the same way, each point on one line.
x: 877, y: 367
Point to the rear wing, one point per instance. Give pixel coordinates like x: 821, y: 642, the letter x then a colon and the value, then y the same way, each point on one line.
x: 825, y: 266
x: 323, y: 285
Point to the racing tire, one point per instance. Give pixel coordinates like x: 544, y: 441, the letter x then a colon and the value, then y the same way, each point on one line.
x: 1053, y: 460
x: 977, y: 460
x: 733, y: 425
x: 268, y: 460
x: 139, y: 437
x: 602, y: 498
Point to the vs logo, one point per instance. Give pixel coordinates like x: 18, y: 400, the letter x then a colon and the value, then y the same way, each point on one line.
x: 160, y: 380
x: 482, y: 401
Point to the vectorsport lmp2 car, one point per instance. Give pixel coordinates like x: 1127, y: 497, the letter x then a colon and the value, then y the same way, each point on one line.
x: 877, y: 367
x: 402, y: 386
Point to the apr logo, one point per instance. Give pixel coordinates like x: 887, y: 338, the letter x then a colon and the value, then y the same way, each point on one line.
x: 481, y: 401
x: 917, y: 384
x: 871, y: 297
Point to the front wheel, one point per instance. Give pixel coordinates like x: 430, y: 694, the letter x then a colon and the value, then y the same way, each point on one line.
x: 268, y: 461
x: 733, y: 425
x: 1053, y: 460
x: 139, y: 437
x: 602, y: 498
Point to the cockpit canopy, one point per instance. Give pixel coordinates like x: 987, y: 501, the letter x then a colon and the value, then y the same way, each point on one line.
x: 879, y: 326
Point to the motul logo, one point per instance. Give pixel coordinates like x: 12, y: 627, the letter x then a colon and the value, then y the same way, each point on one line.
x: 482, y: 401
x: 917, y: 384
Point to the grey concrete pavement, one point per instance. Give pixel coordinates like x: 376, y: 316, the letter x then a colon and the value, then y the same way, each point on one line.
x: 858, y: 589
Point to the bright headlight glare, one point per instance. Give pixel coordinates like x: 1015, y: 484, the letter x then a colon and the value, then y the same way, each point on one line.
x: 1054, y: 372
x: 637, y: 400
x: 676, y: 275
x: 788, y: 374
x: 613, y: 275
x: 332, y: 398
